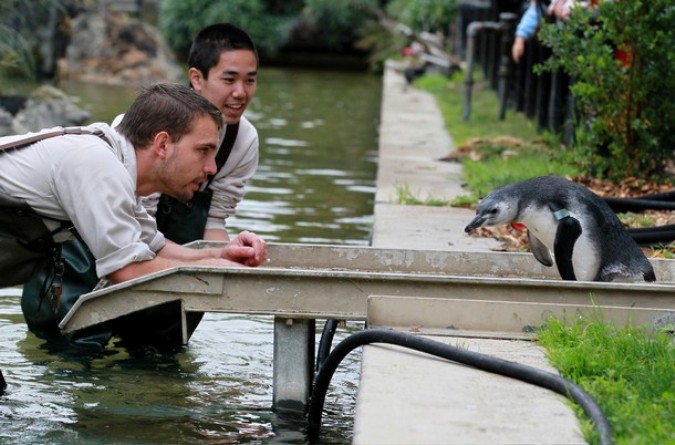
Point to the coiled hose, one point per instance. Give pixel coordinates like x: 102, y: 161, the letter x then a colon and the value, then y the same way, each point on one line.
x: 655, y: 201
x: 484, y: 362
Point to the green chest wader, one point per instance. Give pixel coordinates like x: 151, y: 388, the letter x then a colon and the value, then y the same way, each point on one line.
x: 180, y: 222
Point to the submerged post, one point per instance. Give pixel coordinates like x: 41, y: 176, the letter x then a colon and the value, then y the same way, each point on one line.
x: 3, y: 383
x: 293, y: 363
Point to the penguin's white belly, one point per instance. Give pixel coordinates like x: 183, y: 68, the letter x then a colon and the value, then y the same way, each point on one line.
x: 585, y: 256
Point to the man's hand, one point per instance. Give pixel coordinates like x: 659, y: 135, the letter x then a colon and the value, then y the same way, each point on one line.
x: 247, y: 248
x: 561, y: 9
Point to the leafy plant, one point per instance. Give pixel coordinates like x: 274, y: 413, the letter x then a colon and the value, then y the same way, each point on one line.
x: 180, y: 23
x: 22, y: 44
x: 341, y: 21
x: 621, y: 58
x: 383, y: 39
x: 425, y: 15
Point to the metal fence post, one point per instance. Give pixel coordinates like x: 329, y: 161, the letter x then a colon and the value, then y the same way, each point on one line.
x: 508, y: 22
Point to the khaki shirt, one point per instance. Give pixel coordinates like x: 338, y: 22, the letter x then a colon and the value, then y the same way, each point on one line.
x: 82, y: 179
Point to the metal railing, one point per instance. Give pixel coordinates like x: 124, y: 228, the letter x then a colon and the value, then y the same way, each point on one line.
x: 485, y: 33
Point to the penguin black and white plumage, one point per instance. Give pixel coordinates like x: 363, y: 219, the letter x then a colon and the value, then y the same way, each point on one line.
x: 587, y: 239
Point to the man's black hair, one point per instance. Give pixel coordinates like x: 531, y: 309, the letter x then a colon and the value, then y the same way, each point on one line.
x: 213, y: 40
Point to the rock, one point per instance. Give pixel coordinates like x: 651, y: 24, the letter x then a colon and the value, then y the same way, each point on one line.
x: 116, y: 49
x: 5, y: 123
x: 46, y: 107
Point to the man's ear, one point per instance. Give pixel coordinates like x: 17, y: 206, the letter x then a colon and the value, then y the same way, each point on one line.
x: 195, y: 76
x: 160, y: 144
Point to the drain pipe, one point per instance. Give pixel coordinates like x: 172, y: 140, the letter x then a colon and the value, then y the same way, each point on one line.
x: 505, y: 25
x: 507, y: 21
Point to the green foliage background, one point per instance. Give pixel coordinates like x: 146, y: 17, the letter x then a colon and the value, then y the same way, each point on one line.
x: 626, y: 112
x: 425, y: 15
x: 20, y: 39
x: 180, y: 20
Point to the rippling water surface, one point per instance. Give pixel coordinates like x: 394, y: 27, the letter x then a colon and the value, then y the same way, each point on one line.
x: 315, y: 184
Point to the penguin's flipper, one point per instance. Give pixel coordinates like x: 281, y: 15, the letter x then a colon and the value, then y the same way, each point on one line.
x: 539, y: 250
x: 566, y: 236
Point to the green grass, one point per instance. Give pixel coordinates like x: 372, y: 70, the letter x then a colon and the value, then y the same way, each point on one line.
x: 540, y: 155
x: 406, y: 196
x: 495, y: 171
x: 484, y: 120
x: 630, y: 372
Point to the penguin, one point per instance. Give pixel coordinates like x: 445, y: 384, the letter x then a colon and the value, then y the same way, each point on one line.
x: 587, y: 239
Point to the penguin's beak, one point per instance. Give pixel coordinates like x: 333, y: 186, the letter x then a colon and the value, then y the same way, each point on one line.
x: 475, y: 223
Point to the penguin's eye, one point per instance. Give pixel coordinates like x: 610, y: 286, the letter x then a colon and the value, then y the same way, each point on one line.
x: 494, y: 211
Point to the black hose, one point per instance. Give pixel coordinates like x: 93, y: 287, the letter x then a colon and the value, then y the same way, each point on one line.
x: 655, y: 201
x: 664, y: 196
x: 484, y: 362
x: 326, y: 342
x: 653, y: 235
x: 638, y: 204
x: 658, y: 201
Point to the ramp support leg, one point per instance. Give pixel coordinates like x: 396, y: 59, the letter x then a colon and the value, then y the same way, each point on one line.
x: 293, y: 363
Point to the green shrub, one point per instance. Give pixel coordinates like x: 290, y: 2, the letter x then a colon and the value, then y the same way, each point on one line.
x: 625, y: 110
x: 22, y: 44
x: 339, y: 21
x: 181, y: 20
x: 425, y: 15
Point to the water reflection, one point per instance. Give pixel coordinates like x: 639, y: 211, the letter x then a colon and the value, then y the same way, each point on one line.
x: 315, y: 184
x: 318, y: 136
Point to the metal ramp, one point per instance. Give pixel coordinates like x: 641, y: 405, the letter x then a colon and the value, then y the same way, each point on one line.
x: 504, y: 294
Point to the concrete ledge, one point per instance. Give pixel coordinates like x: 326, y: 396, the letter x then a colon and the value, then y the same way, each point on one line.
x: 407, y: 397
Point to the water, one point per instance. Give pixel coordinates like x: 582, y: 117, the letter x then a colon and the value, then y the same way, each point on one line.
x: 315, y: 184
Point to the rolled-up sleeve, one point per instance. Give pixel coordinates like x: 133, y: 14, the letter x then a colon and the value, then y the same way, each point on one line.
x: 98, y: 194
x: 529, y: 22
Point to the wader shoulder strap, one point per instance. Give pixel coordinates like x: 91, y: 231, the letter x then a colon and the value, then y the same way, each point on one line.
x: 225, y: 148
x: 28, y: 140
x: 183, y: 222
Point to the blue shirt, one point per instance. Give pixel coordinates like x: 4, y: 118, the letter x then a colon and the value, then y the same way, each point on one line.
x: 529, y: 21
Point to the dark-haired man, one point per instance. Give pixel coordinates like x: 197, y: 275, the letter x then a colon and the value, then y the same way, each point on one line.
x: 222, y: 67
x: 93, y: 178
